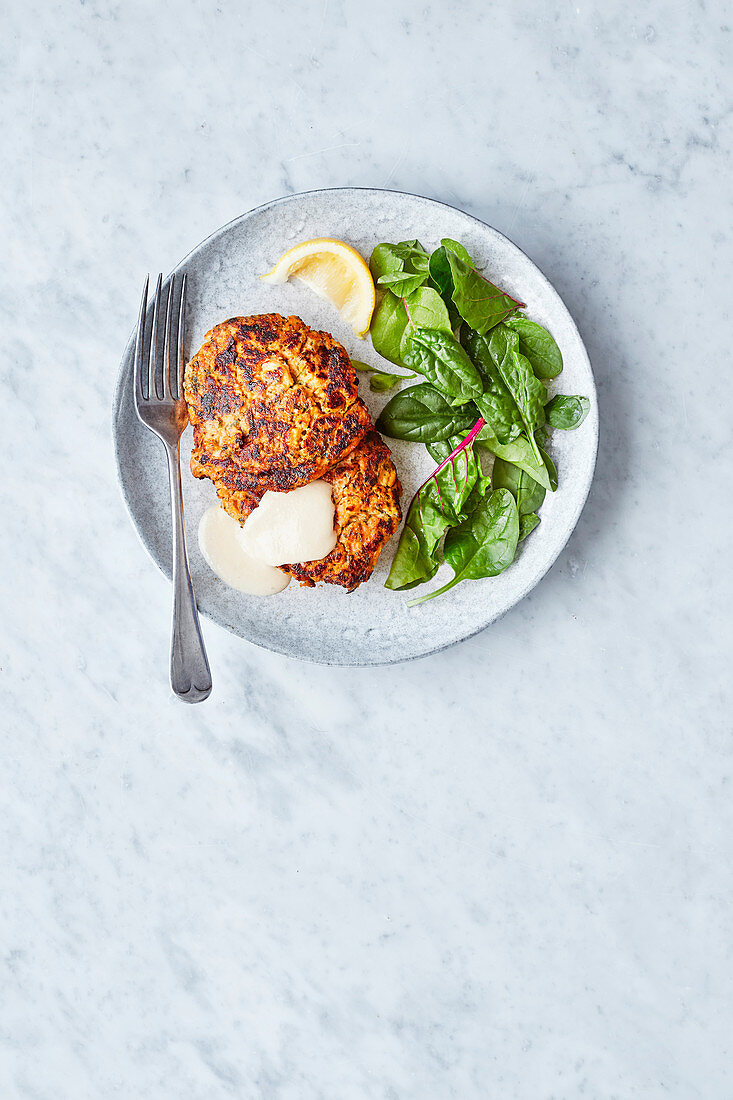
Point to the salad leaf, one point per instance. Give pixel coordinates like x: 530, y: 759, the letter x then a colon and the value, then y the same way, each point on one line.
x: 527, y: 391
x: 527, y: 492
x: 402, y: 268
x: 402, y: 284
x: 442, y: 281
x: 527, y: 524
x: 458, y: 250
x: 422, y: 414
x: 440, y: 358
x: 426, y: 309
x: 392, y: 323
x: 479, y: 302
x: 440, y: 274
x: 412, y: 563
x: 385, y: 260
x: 496, y: 404
x: 475, y: 497
x: 441, y: 502
x: 380, y: 380
x: 567, y: 412
x: 483, y: 545
x: 550, y: 468
x: 459, y: 473
x: 391, y: 259
x: 439, y: 317
x: 388, y: 326
x: 442, y: 448
x: 519, y: 451
x: 415, y: 559
x: 442, y: 278
x: 537, y: 345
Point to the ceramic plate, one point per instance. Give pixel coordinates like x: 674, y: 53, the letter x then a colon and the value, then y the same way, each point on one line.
x: 325, y: 624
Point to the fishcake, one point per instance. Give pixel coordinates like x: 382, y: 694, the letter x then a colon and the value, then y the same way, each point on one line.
x: 235, y: 499
x: 272, y: 402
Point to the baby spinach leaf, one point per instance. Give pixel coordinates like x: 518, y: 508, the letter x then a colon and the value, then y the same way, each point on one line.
x: 536, y: 343
x: 496, y: 404
x: 550, y: 468
x: 442, y: 281
x: 455, y: 486
x: 391, y: 259
x: 498, y: 414
x: 442, y: 448
x: 423, y: 415
x: 527, y: 391
x: 458, y: 250
x: 403, y: 283
x: 484, y: 544
x: 434, y: 503
x: 440, y: 273
x: 501, y: 342
x: 380, y: 380
x: 401, y: 268
x: 567, y: 412
x: 392, y: 324
x: 479, y: 302
x: 388, y: 325
x: 426, y: 309
x: 527, y: 492
x: 519, y: 451
x: 452, y: 485
x: 440, y: 358
x: 527, y: 524
x: 414, y: 255
x: 413, y: 562
x: 512, y: 398
x: 385, y: 260
x: 475, y: 497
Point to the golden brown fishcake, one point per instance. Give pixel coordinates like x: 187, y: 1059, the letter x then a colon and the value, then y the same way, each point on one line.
x: 366, y: 495
x: 272, y: 401
x: 227, y: 479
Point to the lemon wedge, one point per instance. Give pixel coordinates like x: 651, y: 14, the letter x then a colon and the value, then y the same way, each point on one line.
x: 333, y: 270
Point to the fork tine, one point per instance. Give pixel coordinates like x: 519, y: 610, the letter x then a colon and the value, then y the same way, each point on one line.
x: 179, y: 349
x: 153, y: 390
x: 140, y: 343
x: 168, y: 340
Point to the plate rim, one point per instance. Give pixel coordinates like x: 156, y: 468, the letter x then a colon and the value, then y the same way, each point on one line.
x: 307, y: 658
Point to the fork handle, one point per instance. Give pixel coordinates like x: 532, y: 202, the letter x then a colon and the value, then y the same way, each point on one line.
x: 190, y: 673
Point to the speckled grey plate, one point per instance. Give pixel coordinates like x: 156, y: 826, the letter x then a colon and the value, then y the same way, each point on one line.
x: 371, y: 625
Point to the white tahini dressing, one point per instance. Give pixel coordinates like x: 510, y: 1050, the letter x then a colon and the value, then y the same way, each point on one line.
x: 284, y: 528
x: 220, y: 540
x: 292, y: 527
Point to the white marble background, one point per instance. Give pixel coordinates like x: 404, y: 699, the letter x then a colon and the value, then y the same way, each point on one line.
x: 504, y: 871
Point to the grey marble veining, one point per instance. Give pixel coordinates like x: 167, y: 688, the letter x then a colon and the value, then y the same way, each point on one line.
x: 503, y: 871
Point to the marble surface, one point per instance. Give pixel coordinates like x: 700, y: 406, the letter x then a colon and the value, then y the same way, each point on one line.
x: 503, y: 871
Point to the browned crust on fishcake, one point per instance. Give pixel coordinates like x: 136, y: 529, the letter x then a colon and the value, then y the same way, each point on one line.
x: 273, y: 404
x: 366, y: 495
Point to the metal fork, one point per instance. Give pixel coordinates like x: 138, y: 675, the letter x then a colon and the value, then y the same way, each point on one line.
x: 160, y: 406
